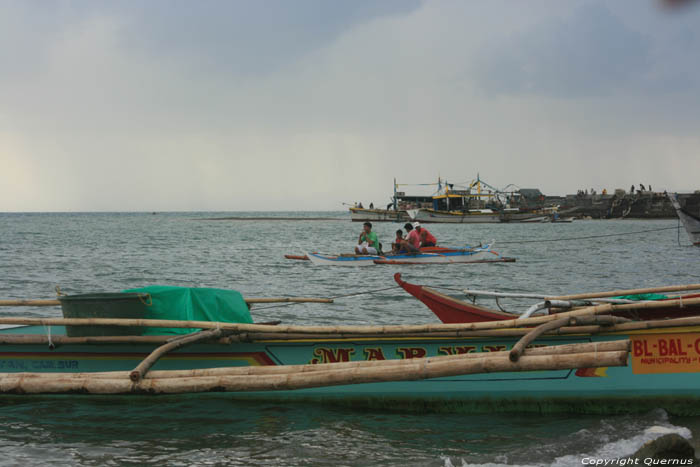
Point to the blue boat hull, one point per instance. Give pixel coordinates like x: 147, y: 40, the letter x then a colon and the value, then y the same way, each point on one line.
x: 614, y: 389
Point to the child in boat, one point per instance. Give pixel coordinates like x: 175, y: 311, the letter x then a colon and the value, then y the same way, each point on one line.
x: 396, y: 246
x: 368, y: 244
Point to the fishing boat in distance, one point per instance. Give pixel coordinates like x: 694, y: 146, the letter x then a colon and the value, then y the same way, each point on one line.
x: 449, y: 309
x: 432, y: 255
x: 581, y: 360
x: 358, y: 214
x: 690, y: 221
x: 477, y: 203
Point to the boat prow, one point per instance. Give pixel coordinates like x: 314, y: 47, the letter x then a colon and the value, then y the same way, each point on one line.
x: 689, y: 221
x: 449, y: 309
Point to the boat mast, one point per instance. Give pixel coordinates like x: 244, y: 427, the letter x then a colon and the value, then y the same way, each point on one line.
x: 395, y: 202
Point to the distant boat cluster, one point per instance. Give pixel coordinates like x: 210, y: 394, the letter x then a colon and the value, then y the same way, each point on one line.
x: 478, y: 202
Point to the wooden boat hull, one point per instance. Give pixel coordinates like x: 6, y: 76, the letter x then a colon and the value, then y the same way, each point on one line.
x: 378, y: 215
x: 660, y: 381
x: 452, y: 310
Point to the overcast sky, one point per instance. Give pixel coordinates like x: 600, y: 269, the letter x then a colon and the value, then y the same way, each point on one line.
x: 279, y: 105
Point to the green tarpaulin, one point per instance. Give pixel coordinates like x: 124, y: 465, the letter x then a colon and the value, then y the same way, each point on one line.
x: 643, y: 296
x: 192, y: 304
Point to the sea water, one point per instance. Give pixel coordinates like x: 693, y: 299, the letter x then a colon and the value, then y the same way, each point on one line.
x: 95, y: 252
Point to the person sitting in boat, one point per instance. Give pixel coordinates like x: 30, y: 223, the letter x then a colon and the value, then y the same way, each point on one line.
x: 368, y: 244
x: 411, y: 243
x: 398, y: 241
x: 426, y: 238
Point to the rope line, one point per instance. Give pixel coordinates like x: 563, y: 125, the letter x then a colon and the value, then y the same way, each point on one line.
x: 587, y: 237
x: 332, y: 298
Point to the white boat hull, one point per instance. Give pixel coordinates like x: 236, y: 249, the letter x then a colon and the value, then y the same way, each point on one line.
x: 319, y: 259
x: 377, y: 215
x: 689, y: 221
x: 468, y: 255
x: 473, y: 217
x: 427, y: 216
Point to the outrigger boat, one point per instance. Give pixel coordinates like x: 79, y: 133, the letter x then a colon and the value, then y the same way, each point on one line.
x: 377, y: 215
x: 581, y: 360
x: 480, y: 254
x: 449, y: 309
x: 427, y: 249
x: 690, y: 221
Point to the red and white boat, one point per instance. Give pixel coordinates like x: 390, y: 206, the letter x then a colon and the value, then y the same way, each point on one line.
x: 453, y: 310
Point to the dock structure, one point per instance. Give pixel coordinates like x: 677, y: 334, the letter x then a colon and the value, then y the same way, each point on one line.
x: 638, y: 205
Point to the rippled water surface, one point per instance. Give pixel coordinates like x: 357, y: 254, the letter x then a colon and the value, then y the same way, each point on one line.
x: 109, y: 252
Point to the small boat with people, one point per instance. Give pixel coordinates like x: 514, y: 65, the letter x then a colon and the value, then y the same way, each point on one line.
x: 419, y: 246
x: 449, y: 309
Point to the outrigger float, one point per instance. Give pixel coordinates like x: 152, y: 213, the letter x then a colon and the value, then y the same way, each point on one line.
x: 430, y: 255
x: 583, y: 360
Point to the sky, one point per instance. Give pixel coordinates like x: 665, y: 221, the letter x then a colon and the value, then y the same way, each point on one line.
x: 238, y: 105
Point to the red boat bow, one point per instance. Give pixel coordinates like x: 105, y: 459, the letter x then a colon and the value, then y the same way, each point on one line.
x: 449, y: 309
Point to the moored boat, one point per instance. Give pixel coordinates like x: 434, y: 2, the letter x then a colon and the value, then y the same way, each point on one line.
x: 474, y: 216
x: 482, y: 367
x: 430, y: 255
x: 377, y: 215
x: 449, y: 309
x: 690, y: 221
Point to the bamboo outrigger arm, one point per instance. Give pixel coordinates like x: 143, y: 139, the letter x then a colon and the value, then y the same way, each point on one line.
x: 528, y: 338
x: 143, y: 367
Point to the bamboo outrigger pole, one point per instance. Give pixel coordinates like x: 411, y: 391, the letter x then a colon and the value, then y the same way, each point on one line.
x: 582, y: 296
x: 409, y: 370
x: 340, y: 331
x: 250, y: 301
x: 588, y: 347
x: 613, y: 293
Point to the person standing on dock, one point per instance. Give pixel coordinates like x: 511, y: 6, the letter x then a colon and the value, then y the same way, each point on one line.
x: 368, y: 244
x: 426, y: 238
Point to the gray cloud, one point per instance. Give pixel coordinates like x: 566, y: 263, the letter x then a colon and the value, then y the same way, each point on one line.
x: 102, y: 110
x: 592, y: 52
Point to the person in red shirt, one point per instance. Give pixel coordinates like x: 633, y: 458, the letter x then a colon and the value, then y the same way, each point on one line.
x: 426, y: 238
x: 411, y: 243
